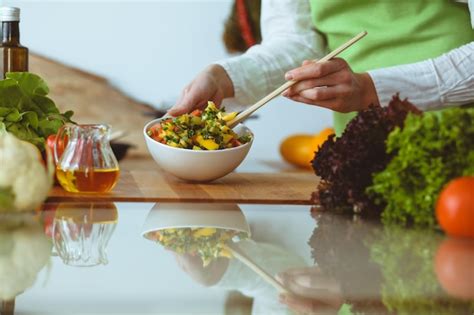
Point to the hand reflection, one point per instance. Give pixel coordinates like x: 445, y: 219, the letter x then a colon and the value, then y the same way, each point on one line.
x: 206, y: 275
x: 313, y: 292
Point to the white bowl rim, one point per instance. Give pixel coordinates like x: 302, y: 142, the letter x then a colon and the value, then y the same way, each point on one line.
x: 147, y: 125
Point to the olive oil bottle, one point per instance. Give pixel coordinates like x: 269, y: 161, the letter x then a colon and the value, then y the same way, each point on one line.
x: 14, y: 57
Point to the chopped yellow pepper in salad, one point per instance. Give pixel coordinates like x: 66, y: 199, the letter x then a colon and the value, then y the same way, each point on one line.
x: 209, y: 243
x: 199, y: 130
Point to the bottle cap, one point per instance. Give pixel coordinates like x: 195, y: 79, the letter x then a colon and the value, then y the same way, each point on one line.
x: 9, y: 14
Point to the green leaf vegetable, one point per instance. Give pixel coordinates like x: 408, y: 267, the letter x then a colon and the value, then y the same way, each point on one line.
x: 429, y: 151
x: 25, y: 109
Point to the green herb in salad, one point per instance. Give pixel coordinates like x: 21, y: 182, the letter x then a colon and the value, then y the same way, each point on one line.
x: 25, y: 109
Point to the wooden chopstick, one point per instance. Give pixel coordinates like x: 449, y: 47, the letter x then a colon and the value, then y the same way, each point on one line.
x: 249, y: 111
x: 116, y: 135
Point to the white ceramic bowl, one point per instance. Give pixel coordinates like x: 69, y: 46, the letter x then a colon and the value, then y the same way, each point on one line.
x: 197, y: 166
x: 177, y: 215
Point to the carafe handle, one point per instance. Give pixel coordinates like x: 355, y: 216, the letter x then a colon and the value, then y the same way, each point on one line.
x: 60, y: 143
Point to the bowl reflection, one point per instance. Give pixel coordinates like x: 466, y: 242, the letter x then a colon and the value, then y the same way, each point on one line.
x: 202, y: 230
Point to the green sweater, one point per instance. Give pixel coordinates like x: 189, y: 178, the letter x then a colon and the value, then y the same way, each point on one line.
x: 400, y: 32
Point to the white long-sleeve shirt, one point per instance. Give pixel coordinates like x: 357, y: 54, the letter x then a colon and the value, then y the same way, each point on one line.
x: 289, y: 38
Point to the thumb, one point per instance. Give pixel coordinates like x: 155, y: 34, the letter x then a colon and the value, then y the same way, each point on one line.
x: 183, y: 106
x: 178, y: 109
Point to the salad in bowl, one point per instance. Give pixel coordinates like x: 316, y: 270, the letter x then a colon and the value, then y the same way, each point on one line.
x: 198, y: 146
x: 199, y: 130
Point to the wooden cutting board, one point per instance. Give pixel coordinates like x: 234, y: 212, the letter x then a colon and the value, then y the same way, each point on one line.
x: 156, y: 186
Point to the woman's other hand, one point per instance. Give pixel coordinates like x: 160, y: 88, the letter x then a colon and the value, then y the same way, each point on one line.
x: 311, y: 291
x: 333, y: 85
x: 212, y: 84
x: 207, y: 276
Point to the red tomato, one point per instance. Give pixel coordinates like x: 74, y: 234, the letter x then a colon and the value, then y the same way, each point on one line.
x: 454, y: 267
x: 455, y: 207
x: 196, y: 112
x: 155, y: 130
x: 50, y: 141
x: 235, y: 143
x: 49, y: 211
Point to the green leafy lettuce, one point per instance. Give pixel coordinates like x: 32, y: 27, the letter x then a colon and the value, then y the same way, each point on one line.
x: 429, y: 151
x: 25, y: 109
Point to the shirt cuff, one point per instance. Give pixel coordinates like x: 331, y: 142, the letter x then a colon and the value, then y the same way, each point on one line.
x: 416, y: 82
x: 246, y: 77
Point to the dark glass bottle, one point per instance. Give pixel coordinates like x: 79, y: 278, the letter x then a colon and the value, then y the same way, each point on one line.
x: 14, y: 57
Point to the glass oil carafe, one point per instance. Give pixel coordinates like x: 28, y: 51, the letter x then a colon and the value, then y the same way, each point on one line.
x: 87, y: 164
x: 81, y: 232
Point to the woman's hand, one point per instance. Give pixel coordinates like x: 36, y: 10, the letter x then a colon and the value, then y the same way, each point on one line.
x: 333, y: 85
x: 207, y: 276
x: 212, y: 84
x: 311, y: 291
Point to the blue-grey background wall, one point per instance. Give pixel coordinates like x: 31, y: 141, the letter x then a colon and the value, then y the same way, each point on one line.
x: 150, y: 50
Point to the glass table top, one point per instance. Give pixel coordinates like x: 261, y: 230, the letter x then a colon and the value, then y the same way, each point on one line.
x: 144, y: 258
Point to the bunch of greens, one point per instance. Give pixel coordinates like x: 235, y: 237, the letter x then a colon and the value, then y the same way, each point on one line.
x: 346, y: 164
x: 338, y: 249
x: 401, y: 262
x: 428, y: 152
x: 25, y: 109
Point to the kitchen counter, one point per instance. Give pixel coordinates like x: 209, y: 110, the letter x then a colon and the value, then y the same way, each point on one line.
x: 255, y: 181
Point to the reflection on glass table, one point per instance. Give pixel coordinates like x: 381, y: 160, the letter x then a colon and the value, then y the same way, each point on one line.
x: 211, y: 243
x: 203, y: 230
x: 80, y: 232
x: 24, y: 251
x: 377, y: 269
x: 332, y: 264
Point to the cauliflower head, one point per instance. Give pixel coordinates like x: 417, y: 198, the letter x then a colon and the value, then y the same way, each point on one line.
x: 24, y: 181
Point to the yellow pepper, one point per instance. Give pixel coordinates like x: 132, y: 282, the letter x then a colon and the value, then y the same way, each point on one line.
x: 207, y: 143
x: 225, y: 253
x: 229, y: 116
x: 204, y: 232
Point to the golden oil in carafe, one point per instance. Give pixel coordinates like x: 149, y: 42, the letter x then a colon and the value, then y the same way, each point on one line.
x: 14, y: 56
x: 90, y: 181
